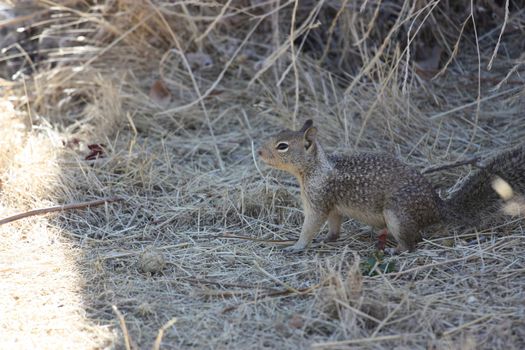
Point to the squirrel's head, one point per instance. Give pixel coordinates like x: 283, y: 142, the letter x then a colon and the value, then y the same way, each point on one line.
x: 291, y: 151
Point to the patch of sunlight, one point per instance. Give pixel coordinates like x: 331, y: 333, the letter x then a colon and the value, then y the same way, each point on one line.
x: 41, y: 298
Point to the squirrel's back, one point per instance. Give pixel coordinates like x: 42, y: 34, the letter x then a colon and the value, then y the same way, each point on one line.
x: 363, y: 184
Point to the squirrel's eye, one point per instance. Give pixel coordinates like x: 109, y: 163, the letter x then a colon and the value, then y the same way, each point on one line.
x: 282, y: 147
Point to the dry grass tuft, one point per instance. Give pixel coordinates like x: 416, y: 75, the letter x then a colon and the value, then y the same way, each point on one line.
x: 432, y: 82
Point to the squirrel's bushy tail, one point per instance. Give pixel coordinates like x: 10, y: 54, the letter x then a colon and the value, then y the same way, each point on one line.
x: 476, y: 200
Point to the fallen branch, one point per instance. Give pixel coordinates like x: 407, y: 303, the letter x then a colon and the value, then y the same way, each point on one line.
x: 284, y: 292
x: 275, y: 241
x: 43, y: 211
x: 345, y: 343
x: 472, y: 161
x: 224, y: 284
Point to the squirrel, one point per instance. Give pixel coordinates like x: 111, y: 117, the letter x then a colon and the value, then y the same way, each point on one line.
x: 381, y: 191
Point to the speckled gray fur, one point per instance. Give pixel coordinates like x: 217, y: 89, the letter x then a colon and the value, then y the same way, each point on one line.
x: 378, y: 189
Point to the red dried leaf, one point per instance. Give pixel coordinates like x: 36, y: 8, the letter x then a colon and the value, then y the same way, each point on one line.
x: 159, y: 93
x: 296, y: 321
x: 97, y: 147
x: 381, y: 239
x: 97, y: 151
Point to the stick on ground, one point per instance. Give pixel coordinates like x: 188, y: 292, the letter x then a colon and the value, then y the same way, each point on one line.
x: 472, y: 161
x: 43, y: 211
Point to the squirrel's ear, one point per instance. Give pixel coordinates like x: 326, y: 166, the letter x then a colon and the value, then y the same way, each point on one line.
x: 307, y: 124
x: 310, y: 135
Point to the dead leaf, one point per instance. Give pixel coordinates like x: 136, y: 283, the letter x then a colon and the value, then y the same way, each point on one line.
x: 96, y: 151
x: 159, y: 93
x: 296, y: 321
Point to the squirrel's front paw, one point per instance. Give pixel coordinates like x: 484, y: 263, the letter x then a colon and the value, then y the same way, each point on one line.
x: 390, y: 251
x: 294, y: 249
x: 330, y: 238
x: 394, y: 251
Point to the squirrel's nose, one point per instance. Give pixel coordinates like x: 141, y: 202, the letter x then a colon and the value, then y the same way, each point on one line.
x: 259, y: 152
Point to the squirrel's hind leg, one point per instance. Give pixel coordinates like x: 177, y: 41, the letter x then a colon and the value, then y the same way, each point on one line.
x: 334, y: 226
x: 381, y: 239
x: 404, y: 229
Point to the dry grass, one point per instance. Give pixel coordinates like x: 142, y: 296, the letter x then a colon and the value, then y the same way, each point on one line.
x: 193, y: 191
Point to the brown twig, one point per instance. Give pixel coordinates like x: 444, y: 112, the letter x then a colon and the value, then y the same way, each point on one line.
x: 59, y: 208
x: 224, y: 284
x: 299, y: 291
x: 276, y: 241
x: 160, y: 334
x: 339, y: 343
x: 472, y: 161
x: 122, y: 322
